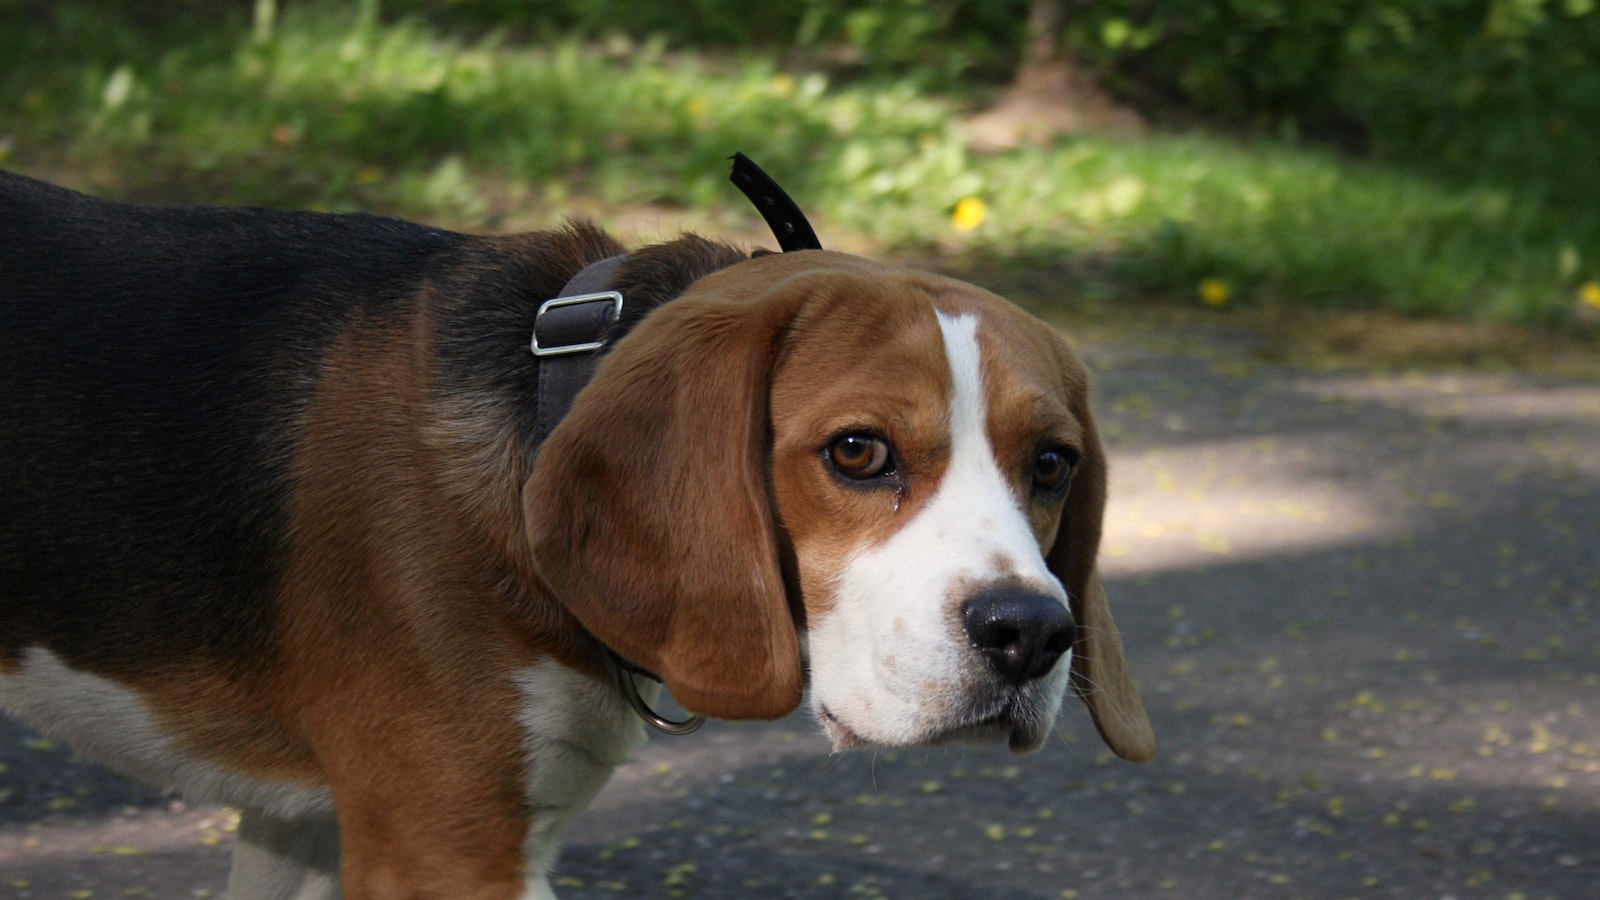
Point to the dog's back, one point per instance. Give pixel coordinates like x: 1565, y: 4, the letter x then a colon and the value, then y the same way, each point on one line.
x: 149, y: 360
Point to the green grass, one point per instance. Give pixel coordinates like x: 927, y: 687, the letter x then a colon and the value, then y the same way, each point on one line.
x: 346, y: 112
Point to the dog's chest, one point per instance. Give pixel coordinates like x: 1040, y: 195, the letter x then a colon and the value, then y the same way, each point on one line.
x: 575, y: 732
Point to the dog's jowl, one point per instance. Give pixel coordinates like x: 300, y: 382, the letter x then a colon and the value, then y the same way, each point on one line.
x: 280, y: 526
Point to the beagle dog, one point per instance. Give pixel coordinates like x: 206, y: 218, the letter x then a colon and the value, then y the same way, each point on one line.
x: 277, y: 530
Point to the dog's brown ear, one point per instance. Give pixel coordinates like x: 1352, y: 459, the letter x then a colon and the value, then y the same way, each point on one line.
x: 1100, y: 672
x: 1100, y: 676
x: 648, y: 511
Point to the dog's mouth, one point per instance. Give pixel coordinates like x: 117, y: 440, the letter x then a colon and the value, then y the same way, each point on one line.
x: 1023, y: 729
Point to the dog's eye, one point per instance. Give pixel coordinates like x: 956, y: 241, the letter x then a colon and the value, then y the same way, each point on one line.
x: 1052, y: 470
x: 859, y: 456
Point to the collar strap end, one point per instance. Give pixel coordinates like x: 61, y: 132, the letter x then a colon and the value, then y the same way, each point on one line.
x: 782, y: 215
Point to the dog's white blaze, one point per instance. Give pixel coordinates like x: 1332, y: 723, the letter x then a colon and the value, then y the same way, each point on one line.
x: 113, y: 725
x: 891, y: 662
x: 576, y: 730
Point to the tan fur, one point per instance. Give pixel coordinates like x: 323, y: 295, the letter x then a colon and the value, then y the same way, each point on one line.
x: 1100, y: 673
x: 870, y: 347
x: 395, y: 612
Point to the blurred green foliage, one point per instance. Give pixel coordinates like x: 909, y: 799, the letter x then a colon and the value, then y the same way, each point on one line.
x: 1491, y: 87
x: 942, y: 39
x: 1476, y: 200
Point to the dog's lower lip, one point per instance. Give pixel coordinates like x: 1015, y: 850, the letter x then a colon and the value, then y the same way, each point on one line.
x: 1005, y: 719
x: 842, y: 736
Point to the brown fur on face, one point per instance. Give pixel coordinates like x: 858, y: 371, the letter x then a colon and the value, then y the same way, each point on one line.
x: 663, y: 510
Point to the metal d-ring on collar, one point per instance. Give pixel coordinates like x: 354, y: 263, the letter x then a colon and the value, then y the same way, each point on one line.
x: 623, y: 672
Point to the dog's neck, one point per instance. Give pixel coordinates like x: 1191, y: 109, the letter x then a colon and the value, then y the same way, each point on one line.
x: 484, y: 405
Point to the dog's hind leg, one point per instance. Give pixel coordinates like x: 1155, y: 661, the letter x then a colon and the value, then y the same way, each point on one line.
x: 276, y: 859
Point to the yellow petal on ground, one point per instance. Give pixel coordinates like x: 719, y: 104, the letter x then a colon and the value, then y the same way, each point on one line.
x: 1541, y: 739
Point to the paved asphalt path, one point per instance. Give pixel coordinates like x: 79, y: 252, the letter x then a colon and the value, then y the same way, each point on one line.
x: 1365, y: 609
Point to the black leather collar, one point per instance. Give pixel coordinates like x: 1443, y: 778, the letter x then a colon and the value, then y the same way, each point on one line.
x: 568, y: 333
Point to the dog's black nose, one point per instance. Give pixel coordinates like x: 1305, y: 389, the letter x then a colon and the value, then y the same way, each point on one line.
x: 1019, y: 632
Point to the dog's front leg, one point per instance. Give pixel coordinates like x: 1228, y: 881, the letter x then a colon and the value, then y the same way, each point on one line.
x: 277, y: 859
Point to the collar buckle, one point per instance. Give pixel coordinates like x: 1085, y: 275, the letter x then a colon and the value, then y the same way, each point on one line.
x: 575, y: 324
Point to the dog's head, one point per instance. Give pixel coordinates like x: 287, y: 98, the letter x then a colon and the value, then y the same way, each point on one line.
x: 811, y: 463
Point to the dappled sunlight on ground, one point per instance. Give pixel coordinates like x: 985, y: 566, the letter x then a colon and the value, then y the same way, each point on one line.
x: 1190, y: 506
x: 1189, y: 502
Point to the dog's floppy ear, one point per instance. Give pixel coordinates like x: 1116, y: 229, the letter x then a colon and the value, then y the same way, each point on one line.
x: 1100, y: 672
x: 648, y: 511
